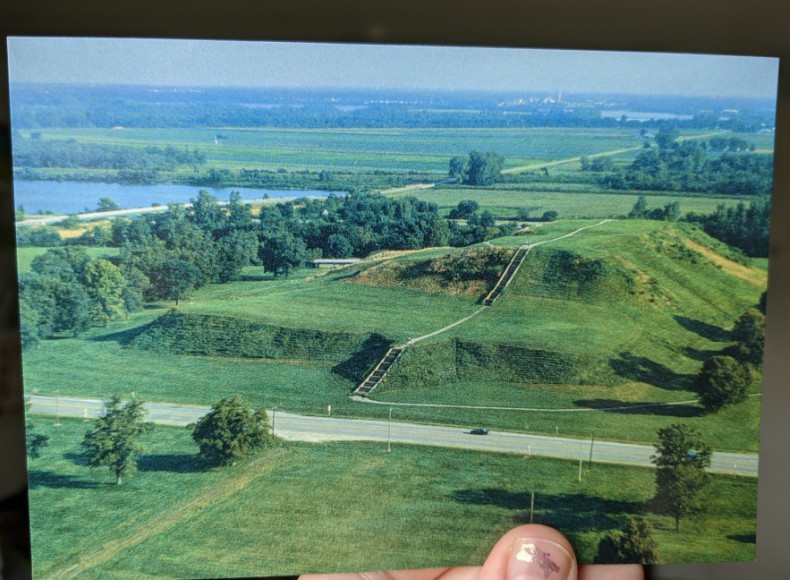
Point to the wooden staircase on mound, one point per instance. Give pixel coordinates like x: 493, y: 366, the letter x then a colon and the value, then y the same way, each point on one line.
x: 374, y: 378
x: 507, y: 275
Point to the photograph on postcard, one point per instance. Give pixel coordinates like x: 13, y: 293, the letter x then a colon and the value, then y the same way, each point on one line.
x: 294, y: 307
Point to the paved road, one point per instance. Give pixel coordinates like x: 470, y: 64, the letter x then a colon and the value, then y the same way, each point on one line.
x: 315, y: 429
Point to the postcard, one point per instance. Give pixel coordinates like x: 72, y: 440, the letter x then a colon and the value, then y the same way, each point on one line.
x: 294, y: 307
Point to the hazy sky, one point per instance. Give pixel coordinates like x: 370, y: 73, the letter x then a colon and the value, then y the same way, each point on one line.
x: 256, y: 64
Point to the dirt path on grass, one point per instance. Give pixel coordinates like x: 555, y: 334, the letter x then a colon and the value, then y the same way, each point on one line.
x: 172, y: 516
x: 539, y: 166
x: 752, y: 275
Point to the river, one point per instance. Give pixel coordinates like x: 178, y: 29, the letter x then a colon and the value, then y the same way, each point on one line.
x: 68, y: 197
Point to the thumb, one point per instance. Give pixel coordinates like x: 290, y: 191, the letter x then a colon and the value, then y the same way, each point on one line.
x: 531, y: 552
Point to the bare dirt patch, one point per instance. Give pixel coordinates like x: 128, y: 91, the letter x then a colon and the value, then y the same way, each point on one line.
x: 753, y: 276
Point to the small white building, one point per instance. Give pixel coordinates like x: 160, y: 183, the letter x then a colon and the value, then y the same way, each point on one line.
x: 334, y: 262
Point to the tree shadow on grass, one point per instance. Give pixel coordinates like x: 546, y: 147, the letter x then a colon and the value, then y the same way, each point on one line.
x: 641, y: 408
x: 644, y: 370
x: 38, y: 478
x: 565, y: 511
x: 76, y: 458
x: 703, y: 329
x: 255, y: 277
x: 123, y: 336
x: 700, y: 354
x: 172, y: 463
x: 743, y: 538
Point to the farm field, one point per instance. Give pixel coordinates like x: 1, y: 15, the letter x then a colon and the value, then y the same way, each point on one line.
x: 275, y: 513
x: 361, y: 149
x: 509, y: 203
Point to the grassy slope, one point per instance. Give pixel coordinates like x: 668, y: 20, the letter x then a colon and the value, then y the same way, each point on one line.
x: 634, y: 366
x: 310, y: 508
x: 636, y: 351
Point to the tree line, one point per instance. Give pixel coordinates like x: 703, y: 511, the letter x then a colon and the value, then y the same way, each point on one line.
x: 686, y: 166
x: 70, y: 153
x: 168, y: 255
x: 743, y: 227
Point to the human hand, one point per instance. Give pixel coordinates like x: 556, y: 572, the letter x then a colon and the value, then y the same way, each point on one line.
x: 529, y: 552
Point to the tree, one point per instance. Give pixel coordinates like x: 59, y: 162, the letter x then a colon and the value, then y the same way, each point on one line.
x: 749, y: 332
x: 631, y: 545
x: 666, y: 137
x: 114, y: 442
x: 105, y: 284
x: 681, y: 459
x: 640, y: 208
x: 174, y: 279
x: 235, y: 251
x: 231, y: 432
x: 484, y: 168
x: 282, y: 253
x: 338, y: 246
x: 464, y: 209
x: 458, y: 168
x: 107, y: 204
x: 722, y: 381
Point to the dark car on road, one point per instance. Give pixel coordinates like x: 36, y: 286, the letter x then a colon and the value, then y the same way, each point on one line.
x: 479, y: 431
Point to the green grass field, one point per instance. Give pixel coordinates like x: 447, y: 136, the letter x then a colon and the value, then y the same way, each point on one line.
x: 340, y: 506
x: 507, y: 203
x: 25, y: 256
x: 650, y: 347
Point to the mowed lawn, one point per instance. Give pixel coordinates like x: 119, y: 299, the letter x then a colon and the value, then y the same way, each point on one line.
x: 97, y: 365
x: 339, y: 507
x: 327, y: 302
x: 630, y: 351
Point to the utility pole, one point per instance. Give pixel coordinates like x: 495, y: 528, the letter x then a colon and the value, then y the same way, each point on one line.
x: 389, y: 433
x: 592, y: 442
x: 274, y: 414
x: 581, y: 459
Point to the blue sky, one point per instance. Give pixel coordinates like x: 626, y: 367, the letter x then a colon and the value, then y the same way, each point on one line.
x: 270, y: 64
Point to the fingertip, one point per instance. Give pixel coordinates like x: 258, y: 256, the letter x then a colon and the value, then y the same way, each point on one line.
x: 612, y: 572
x: 529, y: 547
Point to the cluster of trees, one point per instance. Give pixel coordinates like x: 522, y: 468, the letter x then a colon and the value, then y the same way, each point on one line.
x: 479, y: 226
x: 480, y: 169
x: 602, y: 163
x: 725, y: 378
x: 686, y: 166
x: 70, y: 153
x: 670, y: 212
x: 66, y: 291
x: 740, y: 226
x: 681, y: 459
x: 166, y: 256
x: 734, y: 144
x: 744, y: 227
x: 230, y: 432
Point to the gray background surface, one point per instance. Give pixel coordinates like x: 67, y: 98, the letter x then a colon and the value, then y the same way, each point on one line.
x: 758, y: 27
